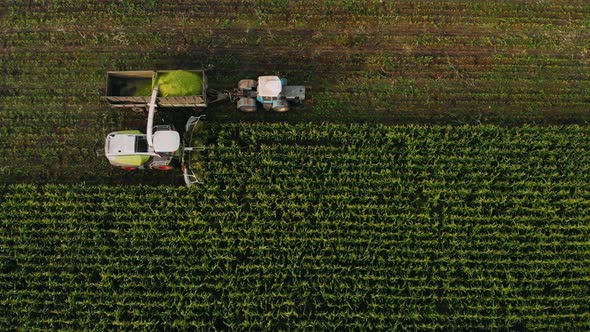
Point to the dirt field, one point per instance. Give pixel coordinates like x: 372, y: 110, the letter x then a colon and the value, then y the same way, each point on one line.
x: 453, y: 62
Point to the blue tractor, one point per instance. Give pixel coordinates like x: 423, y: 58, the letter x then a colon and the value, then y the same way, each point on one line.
x: 271, y: 92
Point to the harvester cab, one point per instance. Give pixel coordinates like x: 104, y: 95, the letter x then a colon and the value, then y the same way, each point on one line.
x: 131, y: 149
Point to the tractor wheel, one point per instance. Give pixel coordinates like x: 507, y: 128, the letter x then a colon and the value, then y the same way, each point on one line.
x: 281, y: 109
x: 248, y: 109
x: 246, y: 104
x: 247, y: 84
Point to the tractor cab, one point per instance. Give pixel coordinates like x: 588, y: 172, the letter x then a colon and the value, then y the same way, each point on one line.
x: 269, y: 93
x: 272, y: 92
x: 130, y: 149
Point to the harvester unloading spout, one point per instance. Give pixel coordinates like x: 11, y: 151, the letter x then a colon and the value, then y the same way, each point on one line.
x: 150, y: 120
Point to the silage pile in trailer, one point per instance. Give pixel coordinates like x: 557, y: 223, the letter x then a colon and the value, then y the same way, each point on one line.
x: 136, y: 87
x: 179, y: 83
x: 143, y: 89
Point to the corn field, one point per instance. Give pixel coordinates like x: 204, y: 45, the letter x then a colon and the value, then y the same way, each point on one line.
x: 316, y: 226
